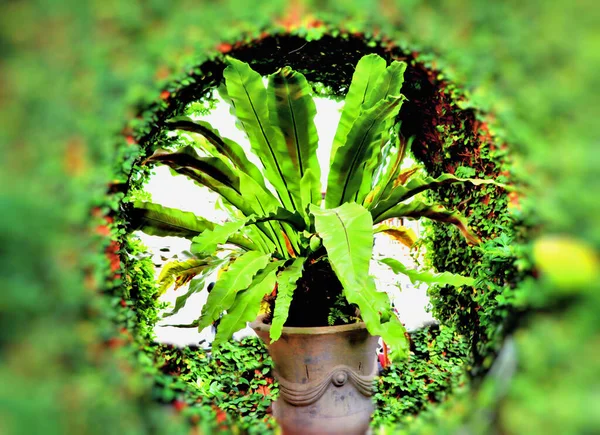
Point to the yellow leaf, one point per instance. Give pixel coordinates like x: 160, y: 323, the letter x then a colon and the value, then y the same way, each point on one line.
x: 404, y: 235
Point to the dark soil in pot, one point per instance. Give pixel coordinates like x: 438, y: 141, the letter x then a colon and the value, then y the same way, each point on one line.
x: 317, y: 291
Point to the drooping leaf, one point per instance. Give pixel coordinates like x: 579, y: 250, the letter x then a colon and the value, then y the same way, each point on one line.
x: 237, y: 277
x: 292, y: 109
x: 182, y: 271
x: 187, y: 157
x: 362, y: 141
x: 418, y: 185
x: 444, y: 278
x: 248, y: 95
x: 247, y: 303
x: 225, y: 146
x: 393, y: 334
x: 401, y: 192
x: 286, y: 284
x: 405, y: 175
x: 195, y: 171
x: 196, y: 285
x: 417, y: 209
x: 376, y: 312
x: 209, y: 240
x: 404, y: 235
x: 156, y: 220
x: 368, y: 70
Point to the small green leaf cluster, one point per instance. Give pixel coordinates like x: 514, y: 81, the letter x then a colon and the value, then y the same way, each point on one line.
x: 436, y: 367
x: 234, y: 384
x: 486, y: 311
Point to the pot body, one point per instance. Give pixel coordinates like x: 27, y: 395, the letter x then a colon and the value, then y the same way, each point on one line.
x: 325, y: 377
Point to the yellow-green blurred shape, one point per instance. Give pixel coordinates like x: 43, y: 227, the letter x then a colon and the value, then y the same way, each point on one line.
x: 567, y: 263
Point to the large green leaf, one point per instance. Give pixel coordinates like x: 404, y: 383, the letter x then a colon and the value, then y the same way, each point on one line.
x: 228, y: 148
x: 292, y: 109
x: 363, y: 140
x: 286, y: 284
x: 238, y: 277
x: 417, y: 209
x: 389, y: 84
x: 248, y: 95
x: 416, y: 276
x: 247, y: 303
x: 156, y: 220
x: 347, y: 234
x: 369, y: 69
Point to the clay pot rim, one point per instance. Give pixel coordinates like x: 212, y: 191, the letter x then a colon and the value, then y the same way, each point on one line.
x: 259, y: 325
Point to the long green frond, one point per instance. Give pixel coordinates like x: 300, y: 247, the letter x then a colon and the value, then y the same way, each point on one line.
x: 227, y: 147
x: 247, y: 303
x: 157, y: 220
x: 248, y: 95
x: 286, y: 284
x: 293, y: 110
x: 347, y: 233
x: 418, y: 276
x: 368, y: 70
x: 236, y: 278
x: 417, y: 209
x: 401, y: 192
x: 362, y: 141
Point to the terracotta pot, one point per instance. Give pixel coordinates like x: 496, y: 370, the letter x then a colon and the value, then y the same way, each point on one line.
x: 325, y: 378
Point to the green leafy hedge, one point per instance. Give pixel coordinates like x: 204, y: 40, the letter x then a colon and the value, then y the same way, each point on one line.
x: 82, y: 84
x: 235, y: 385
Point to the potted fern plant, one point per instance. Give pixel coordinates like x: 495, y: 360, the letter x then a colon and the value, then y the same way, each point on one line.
x: 293, y: 255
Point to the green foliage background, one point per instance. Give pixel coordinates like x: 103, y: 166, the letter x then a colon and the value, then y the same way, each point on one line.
x: 75, y: 75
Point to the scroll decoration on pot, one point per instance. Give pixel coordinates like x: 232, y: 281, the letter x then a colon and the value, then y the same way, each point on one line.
x: 307, y: 394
